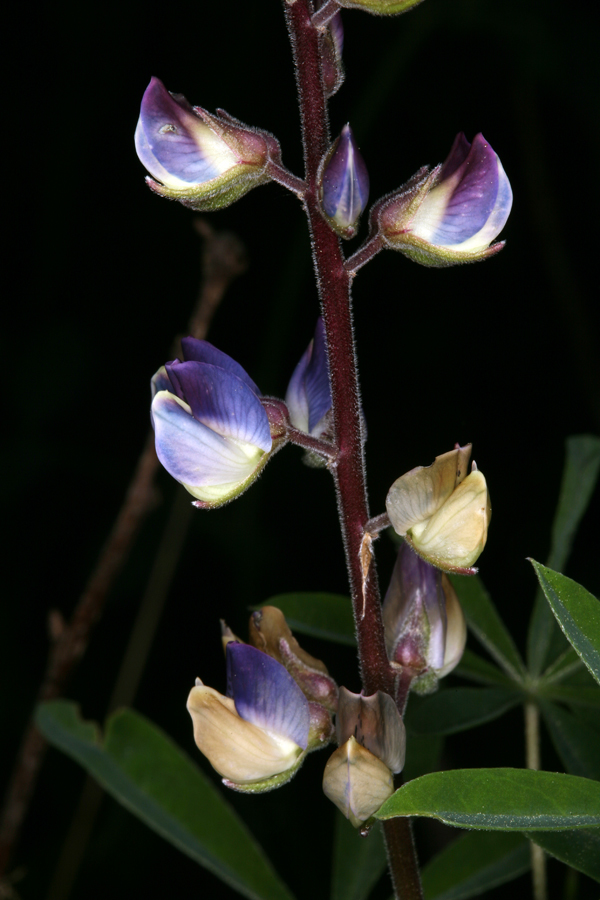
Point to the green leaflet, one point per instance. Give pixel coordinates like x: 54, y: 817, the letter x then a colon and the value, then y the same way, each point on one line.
x: 577, y: 612
x: 144, y: 771
x: 499, y: 799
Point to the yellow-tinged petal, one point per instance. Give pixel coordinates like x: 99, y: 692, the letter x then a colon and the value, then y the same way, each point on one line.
x: 357, y: 781
x: 238, y: 750
x: 455, y: 535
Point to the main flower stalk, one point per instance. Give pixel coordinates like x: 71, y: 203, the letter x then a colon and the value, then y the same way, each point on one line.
x: 334, y: 284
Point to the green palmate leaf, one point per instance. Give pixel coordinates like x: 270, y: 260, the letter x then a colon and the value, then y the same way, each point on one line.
x: 563, y: 666
x: 579, y: 849
x: 499, y: 799
x: 144, y: 771
x: 476, y: 668
x: 457, y: 709
x: 327, y: 616
x: 576, y: 742
x: 484, y: 621
x: 475, y: 862
x: 577, y: 613
x: 582, y: 464
x: 358, y: 863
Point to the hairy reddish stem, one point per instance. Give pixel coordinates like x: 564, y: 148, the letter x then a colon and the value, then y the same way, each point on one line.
x: 334, y: 284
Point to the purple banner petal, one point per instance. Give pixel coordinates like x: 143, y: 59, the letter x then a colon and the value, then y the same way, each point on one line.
x: 193, y: 453
x: 265, y: 693
x: 223, y: 402
x: 474, y: 197
x: 458, y: 153
x: 201, y: 351
x: 295, y: 398
x: 172, y: 135
x: 318, y: 391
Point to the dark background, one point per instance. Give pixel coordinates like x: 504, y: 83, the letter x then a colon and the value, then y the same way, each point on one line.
x: 502, y: 354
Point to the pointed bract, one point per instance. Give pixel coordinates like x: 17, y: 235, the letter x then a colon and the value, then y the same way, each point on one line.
x: 453, y: 214
x: 344, y: 184
x: 205, y: 161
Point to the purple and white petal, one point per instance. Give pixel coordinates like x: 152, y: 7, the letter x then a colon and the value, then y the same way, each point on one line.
x: 458, y: 153
x: 318, y: 391
x: 470, y: 205
x: 191, y: 452
x: 295, y: 397
x: 202, y: 351
x: 265, y: 693
x: 345, y: 181
x: 223, y: 402
x: 170, y: 138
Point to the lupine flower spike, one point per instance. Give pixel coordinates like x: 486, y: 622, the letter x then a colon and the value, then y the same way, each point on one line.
x: 442, y: 512
x: 205, y: 161
x: 212, y: 432
x: 344, y: 184
x: 425, y: 628
x: 452, y: 214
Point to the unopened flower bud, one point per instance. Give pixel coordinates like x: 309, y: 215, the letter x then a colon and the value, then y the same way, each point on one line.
x: 212, y: 432
x: 452, y: 214
x: 308, y: 397
x: 257, y: 736
x: 357, y: 781
x: 205, y: 161
x: 344, y: 184
x: 332, y: 45
x: 442, y: 512
x: 425, y: 629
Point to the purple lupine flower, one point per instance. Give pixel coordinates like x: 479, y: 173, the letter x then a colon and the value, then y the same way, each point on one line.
x: 344, y: 184
x: 205, y: 161
x: 212, y: 432
x: 424, y: 625
x: 452, y: 214
x: 308, y: 396
x: 257, y: 735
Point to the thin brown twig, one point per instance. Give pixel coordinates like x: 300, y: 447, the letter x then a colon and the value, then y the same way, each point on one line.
x: 223, y: 260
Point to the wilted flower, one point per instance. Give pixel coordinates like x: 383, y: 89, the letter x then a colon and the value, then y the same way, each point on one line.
x: 270, y: 633
x: 442, y: 512
x: 358, y: 777
x: 257, y: 736
x: 425, y: 628
x: 452, y: 214
x: 308, y: 396
x: 344, y: 184
x: 212, y: 432
x: 204, y: 161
